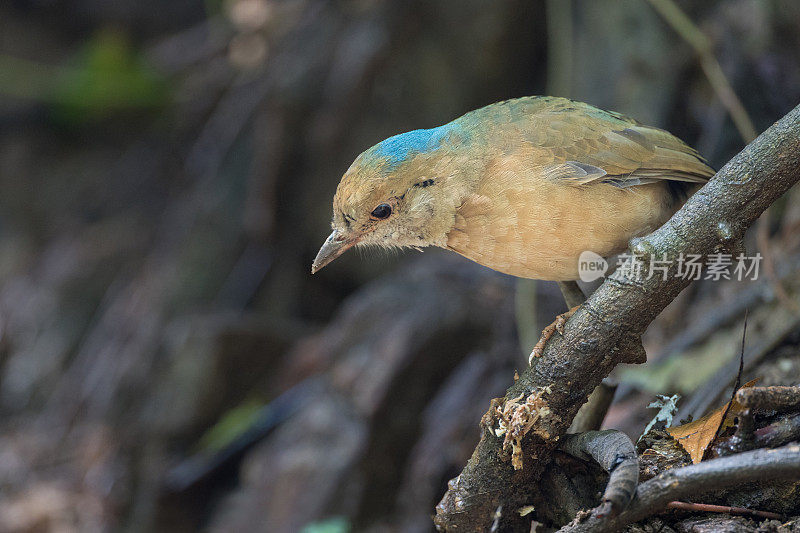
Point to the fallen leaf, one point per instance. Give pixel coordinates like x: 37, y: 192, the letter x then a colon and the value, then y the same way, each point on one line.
x: 697, y: 436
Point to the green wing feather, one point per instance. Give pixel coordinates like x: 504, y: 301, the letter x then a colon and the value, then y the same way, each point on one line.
x: 582, y: 144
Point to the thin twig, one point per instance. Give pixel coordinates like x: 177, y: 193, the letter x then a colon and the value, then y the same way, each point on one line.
x: 708, y: 508
x: 702, y: 46
x: 559, y: 47
x: 525, y: 303
x: 572, y: 293
x: 782, y: 325
x: 738, y: 380
x: 591, y: 414
x: 778, y: 433
x: 764, y: 244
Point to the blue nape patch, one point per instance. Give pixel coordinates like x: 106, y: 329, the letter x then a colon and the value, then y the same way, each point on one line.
x: 398, y: 148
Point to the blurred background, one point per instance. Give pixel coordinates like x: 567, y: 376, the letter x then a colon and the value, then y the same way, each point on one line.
x: 168, y: 363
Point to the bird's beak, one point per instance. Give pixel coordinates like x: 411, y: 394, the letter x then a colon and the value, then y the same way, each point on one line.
x: 335, y: 245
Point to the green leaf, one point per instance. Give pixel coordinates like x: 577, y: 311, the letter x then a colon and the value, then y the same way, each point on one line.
x: 107, y: 77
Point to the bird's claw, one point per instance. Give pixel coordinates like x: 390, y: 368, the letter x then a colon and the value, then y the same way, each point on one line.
x: 561, y: 320
x: 556, y: 325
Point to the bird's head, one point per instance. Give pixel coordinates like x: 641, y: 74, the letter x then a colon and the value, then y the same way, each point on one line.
x: 399, y: 193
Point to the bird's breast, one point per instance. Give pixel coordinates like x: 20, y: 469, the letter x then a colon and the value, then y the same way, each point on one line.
x: 536, y: 228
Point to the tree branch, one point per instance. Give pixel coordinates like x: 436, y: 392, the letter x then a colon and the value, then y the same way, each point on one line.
x: 603, y: 330
x: 779, y: 399
x: 654, y: 495
x: 615, y: 453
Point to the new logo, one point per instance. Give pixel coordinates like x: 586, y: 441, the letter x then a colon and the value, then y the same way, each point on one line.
x: 591, y: 266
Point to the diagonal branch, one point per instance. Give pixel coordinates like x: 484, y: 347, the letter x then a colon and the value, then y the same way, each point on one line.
x: 714, y: 219
x: 704, y: 49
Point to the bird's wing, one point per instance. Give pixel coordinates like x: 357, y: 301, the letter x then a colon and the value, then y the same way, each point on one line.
x: 581, y: 144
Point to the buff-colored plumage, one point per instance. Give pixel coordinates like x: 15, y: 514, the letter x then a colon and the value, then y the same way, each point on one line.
x: 522, y: 186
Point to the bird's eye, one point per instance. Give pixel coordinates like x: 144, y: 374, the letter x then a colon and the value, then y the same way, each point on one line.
x: 382, y: 211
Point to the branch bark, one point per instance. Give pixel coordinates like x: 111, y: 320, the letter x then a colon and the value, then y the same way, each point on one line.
x: 653, y: 496
x: 780, y: 399
x: 605, y: 330
x: 616, y: 454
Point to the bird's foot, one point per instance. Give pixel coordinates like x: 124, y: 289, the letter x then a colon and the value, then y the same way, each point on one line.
x: 557, y: 325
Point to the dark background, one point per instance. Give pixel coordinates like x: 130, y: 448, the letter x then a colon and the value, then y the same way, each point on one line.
x: 168, y: 363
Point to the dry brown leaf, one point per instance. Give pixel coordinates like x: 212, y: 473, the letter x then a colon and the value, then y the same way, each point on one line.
x: 698, y: 435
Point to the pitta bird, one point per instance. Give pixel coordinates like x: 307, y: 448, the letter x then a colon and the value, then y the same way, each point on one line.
x: 523, y: 186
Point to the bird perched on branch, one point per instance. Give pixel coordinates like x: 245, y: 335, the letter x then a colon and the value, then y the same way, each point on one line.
x: 522, y: 186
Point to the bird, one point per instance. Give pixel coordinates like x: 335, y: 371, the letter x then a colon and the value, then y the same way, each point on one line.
x: 522, y: 186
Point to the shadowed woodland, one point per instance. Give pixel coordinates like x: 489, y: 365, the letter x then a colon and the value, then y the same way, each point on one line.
x: 168, y: 362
